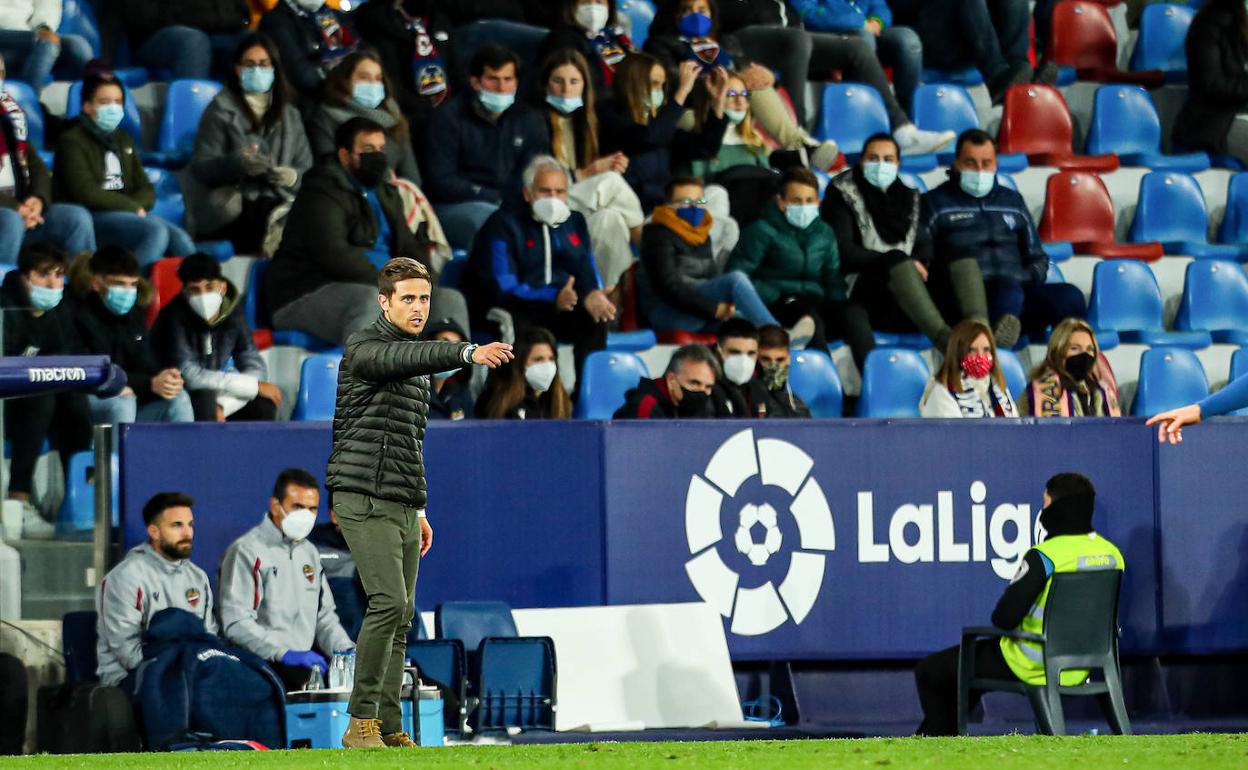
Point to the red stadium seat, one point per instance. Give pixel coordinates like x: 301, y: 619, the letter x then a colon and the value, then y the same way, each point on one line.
x: 1078, y: 209
x: 165, y: 286
x: 1037, y: 123
x: 1083, y: 37
x: 686, y: 338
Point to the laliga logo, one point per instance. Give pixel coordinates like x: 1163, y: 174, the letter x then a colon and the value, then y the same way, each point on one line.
x: 758, y: 537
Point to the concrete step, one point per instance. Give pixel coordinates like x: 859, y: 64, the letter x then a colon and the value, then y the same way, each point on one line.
x: 54, y: 578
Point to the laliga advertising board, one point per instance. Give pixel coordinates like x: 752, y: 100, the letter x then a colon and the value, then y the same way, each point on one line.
x: 830, y: 540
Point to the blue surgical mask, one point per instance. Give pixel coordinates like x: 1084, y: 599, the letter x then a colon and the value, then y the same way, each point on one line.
x: 694, y: 25
x: 256, y: 80
x: 565, y: 104
x: 368, y: 95
x: 880, y: 173
x: 445, y: 375
x: 802, y: 215
x: 495, y: 102
x: 977, y: 183
x: 44, y: 298
x: 120, y: 299
x: 694, y: 215
x: 734, y: 116
x: 108, y: 117
x: 656, y: 98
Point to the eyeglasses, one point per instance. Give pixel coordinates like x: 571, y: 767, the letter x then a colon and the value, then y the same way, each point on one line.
x: 735, y: 94
x: 692, y: 202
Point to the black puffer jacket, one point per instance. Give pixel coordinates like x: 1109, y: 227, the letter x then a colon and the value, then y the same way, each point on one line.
x: 672, y: 269
x: 383, y: 405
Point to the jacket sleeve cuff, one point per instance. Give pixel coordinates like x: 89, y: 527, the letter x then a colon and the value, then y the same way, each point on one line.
x: 243, y: 386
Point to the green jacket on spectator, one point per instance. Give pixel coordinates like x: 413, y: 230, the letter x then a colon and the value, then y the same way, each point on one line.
x: 780, y: 259
x: 80, y: 174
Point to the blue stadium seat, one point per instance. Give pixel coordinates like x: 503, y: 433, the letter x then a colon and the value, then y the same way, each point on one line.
x: 1169, y: 378
x: 256, y: 310
x: 640, y: 13
x: 1127, y: 300
x: 1125, y: 121
x: 605, y: 378
x: 130, y: 121
x: 814, y: 380
x: 1239, y: 368
x: 1015, y: 374
x: 77, y: 515
x: 1171, y: 209
x: 185, y: 103
x: 1160, y: 45
x: 965, y: 77
x: 78, y: 645
x: 908, y: 340
x: 1215, y: 299
x: 28, y: 99
x: 318, y: 386
x: 893, y: 383
x: 1234, y: 227
x: 1055, y: 274
x: 632, y: 342
x: 949, y: 107
x: 822, y: 177
x: 852, y: 112
x: 78, y: 18
x: 171, y: 205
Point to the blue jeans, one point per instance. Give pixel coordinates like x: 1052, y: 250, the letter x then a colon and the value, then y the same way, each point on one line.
x: 30, y: 59
x: 901, y: 49
x: 184, y: 51
x: 734, y: 287
x: 64, y: 224
x: 149, y: 237
x: 1038, y: 306
x: 121, y: 410
x: 461, y: 221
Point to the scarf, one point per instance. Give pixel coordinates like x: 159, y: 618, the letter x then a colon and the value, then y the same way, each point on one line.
x: 707, y: 52
x: 1049, y: 396
x: 336, y: 40
x: 611, y: 46
x: 259, y: 104
x: 694, y: 236
x: 428, y: 65
x: 972, y: 405
x: 892, y: 210
x: 18, y: 137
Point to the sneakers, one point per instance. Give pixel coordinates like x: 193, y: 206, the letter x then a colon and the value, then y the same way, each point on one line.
x: 400, y: 740
x: 912, y: 141
x: 801, y: 332
x: 363, y: 734
x: 1007, y: 331
x: 34, y: 526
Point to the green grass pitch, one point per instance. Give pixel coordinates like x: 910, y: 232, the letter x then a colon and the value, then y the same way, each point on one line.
x: 1170, y: 752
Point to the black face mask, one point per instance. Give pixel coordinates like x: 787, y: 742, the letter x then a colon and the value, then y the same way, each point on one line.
x: 693, y: 403
x: 373, y: 168
x: 1079, y: 366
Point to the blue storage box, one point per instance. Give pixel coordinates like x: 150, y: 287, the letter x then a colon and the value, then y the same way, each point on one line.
x: 317, y: 719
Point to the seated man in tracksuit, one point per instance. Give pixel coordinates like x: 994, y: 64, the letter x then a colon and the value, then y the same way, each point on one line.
x: 1068, y: 544
x: 154, y: 576
x: 275, y: 599
x: 973, y: 214
x: 535, y: 261
x: 684, y: 390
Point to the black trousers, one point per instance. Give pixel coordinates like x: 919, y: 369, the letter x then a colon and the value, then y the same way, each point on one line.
x: 62, y: 418
x: 837, y: 320
x: 990, y: 34
x: 204, y: 404
x: 575, y: 327
x: 937, y: 680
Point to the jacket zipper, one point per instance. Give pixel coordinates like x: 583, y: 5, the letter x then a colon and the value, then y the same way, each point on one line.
x: 380, y: 460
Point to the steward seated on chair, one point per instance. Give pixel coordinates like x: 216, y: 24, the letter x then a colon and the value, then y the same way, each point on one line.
x: 1068, y: 544
x: 275, y: 599
x: 683, y: 391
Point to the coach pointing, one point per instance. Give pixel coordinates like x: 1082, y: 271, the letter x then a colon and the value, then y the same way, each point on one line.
x: 377, y: 477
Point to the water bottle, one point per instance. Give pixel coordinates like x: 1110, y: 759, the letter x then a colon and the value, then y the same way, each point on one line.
x: 314, y: 681
x: 337, y: 670
x: 348, y: 676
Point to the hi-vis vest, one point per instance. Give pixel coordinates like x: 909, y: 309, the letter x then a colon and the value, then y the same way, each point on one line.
x: 1065, y: 553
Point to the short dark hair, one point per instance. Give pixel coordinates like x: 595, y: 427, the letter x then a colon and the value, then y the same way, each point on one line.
x: 345, y: 134
x: 692, y: 354
x: 40, y: 256
x: 93, y: 83
x: 400, y: 269
x: 973, y: 136
x: 773, y: 337
x: 798, y: 175
x: 492, y: 56
x: 293, y: 477
x: 114, y: 260
x: 881, y: 137
x: 738, y: 328
x: 1069, y: 484
x: 681, y: 180
x: 163, y: 501
x: 199, y: 267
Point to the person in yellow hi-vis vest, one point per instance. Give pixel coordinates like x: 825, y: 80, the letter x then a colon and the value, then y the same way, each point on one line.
x: 1068, y: 543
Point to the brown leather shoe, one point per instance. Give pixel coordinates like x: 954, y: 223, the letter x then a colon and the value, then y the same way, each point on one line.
x: 399, y: 740
x: 363, y: 734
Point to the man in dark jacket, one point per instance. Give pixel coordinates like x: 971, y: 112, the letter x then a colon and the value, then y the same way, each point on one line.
x: 376, y: 479
x: 736, y: 349
x: 478, y: 144
x: 177, y: 37
x: 973, y: 214
x: 311, y: 38
x: 769, y: 394
x: 684, y: 390
x: 199, y: 332
x: 112, y: 322
x: 37, y: 323
x: 535, y: 261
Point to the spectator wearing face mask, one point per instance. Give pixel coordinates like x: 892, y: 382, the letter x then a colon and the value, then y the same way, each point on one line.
x: 1074, y: 380
x: 592, y: 29
x: 275, y: 600
x: 969, y: 383
x: 769, y: 392
x: 199, y: 332
x: 684, y: 390
x: 533, y: 258
x: 412, y: 39
x: 736, y: 348
x: 529, y: 387
x: 312, y: 38
x: 451, y: 397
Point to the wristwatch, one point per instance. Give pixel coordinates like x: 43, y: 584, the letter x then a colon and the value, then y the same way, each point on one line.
x: 468, y: 351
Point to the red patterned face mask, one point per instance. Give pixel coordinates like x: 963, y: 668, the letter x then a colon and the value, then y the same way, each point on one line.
x: 977, y: 365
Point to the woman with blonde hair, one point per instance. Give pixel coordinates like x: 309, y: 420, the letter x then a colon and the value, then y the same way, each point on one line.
x: 1074, y: 380
x: 969, y: 383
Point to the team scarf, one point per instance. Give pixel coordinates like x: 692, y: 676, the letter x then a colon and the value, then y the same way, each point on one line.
x: 612, y: 46
x: 336, y: 40
x: 972, y: 405
x: 16, y: 117
x: 1047, y: 396
x: 707, y: 52
x: 428, y: 65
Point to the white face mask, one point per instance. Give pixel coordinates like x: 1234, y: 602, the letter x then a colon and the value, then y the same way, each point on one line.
x: 551, y: 211
x: 298, y: 522
x: 739, y: 368
x: 540, y: 376
x: 206, y: 305
x: 592, y: 17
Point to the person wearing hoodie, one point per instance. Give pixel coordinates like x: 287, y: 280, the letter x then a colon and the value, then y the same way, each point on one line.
x: 199, y: 332
x: 684, y: 391
x: 38, y: 323
x: 28, y: 39
x: 312, y: 38
x: 153, y: 576
x: 1067, y: 542
x: 412, y: 39
x: 98, y: 167
x: 534, y: 260
x: 969, y: 382
x: 110, y: 310
x: 275, y: 599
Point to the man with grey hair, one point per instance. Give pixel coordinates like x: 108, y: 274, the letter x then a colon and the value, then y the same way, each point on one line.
x: 684, y: 390
x: 533, y: 258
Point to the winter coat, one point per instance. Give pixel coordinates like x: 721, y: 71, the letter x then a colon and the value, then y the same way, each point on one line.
x: 996, y: 229
x: 80, y: 176
x: 454, y: 402
x: 382, y: 409
x: 1217, y: 80
x: 672, y: 269
x: 472, y: 158
x: 327, y: 117
x: 184, y: 340
x: 143, y: 18
x: 52, y: 333
x: 123, y: 338
x: 782, y: 260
